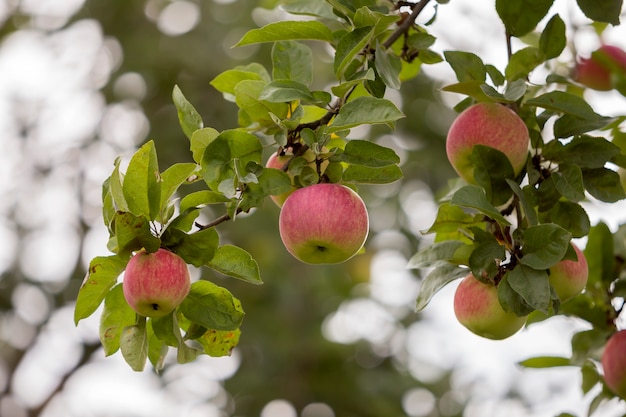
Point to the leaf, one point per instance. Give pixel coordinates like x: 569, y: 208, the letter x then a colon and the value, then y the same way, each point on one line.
x: 565, y: 103
x: 492, y: 168
x: 288, y: 30
x: 585, y: 152
x: 349, y: 46
x: 526, y: 202
x: 117, y: 193
x: 157, y: 350
x: 212, y: 307
x: 174, y: 177
x: 388, y: 67
x: 437, y: 254
x: 254, y: 111
x: 292, y: 61
x: 101, y: 276
x: 365, y: 110
x: 523, y: 62
x: 568, y: 125
x: 236, y: 262
x: 438, y: 278
x: 200, y: 199
x: 539, y: 362
x: 568, y: 180
x: 604, y: 184
x: 544, y: 245
x: 196, y: 248
x: 369, y: 175
x: 116, y: 315
x: 166, y: 329
x: 188, y: 117
x: 133, y: 233
x: 142, y: 187
x: 472, y: 88
x: 511, y: 300
x: 218, y: 343
x: 286, y: 91
x: 607, y: 11
x: 134, y: 345
x: 553, y: 39
x: 532, y: 285
x: 200, y: 140
x: 599, y: 253
x: 364, y: 152
x: 229, y: 79
x: 485, y: 259
x: 522, y: 16
x: 467, y: 66
x: 570, y: 216
x: 473, y: 196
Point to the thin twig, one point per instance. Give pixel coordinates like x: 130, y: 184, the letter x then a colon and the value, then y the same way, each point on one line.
x: 221, y: 219
x: 406, y: 24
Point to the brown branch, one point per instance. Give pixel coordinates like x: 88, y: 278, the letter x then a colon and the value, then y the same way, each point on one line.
x: 221, y: 219
x: 406, y: 23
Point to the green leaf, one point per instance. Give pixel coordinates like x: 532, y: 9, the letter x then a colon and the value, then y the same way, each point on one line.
x: 372, y: 175
x: 284, y: 91
x: 220, y: 153
x: 349, y: 46
x: 229, y: 79
x: 157, y: 350
x: 117, y: 193
x: 116, y: 315
x: 590, y: 376
x: 607, y: 11
x: 253, y: 110
x: 200, y: 140
x: 604, y: 184
x: 526, y: 201
x: 364, y: 152
x: 212, y: 307
x: 188, y: 117
x: 553, y: 39
x: 133, y: 233
x: 437, y: 254
x: 451, y: 222
x: 166, y: 329
x: 570, y: 216
x: 585, y: 152
x: 388, y: 67
x: 532, y: 285
x: 236, y: 262
x: 134, y: 345
x: 544, y: 245
x: 292, y: 61
x: 174, y: 177
x: 545, y: 362
x: 467, y: 66
x: 484, y: 260
x: 522, y: 16
x: 309, y: 8
x: 101, y: 276
x: 438, y: 278
x: 200, y: 199
x: 523, y: 62
x: 288, y: 30
x: 196, y: 248
x: 515, y: 90
x: 568, y: 180
x: 471, y: 88
x: 473, y: 196
x: 365, y: 110
x: 568, y: 125
x: 142, y: 187
x: 218, y: 343
x: 599, y: 253
x: 565, y: 103
x: 492, y: 168
x: 511, y: 300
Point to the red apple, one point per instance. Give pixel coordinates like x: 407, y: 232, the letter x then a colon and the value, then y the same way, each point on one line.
x: 476, y: 307
x: 488, y: 124
x: 568, y: 278
x: 324, y: 223
x: 596, y: 71
x: 155, y: 283
x: 614, y: 363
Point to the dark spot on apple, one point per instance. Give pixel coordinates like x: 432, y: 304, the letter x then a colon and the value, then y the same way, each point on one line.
x: 321, y: 248
x: 155, y: 306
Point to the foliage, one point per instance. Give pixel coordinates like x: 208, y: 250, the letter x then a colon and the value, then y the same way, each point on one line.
x: 509, y: 230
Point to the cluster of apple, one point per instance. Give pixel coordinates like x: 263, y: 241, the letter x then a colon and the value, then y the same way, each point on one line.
x: 476, y: 302
x: 323, y: 223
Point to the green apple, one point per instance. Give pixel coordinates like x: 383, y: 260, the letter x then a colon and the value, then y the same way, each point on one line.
x: 614, y: 363
x: 568, y: 278
x: 597, y: 71
x: 155, y: 283
x: 488, y: 124
x: 278, y: 160
x: 323, y: 223
x: 476, y: 306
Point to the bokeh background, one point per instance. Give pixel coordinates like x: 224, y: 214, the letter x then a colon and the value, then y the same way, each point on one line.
x: 85, y: 81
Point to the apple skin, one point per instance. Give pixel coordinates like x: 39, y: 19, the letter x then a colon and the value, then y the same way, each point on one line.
x: 278, y: 161
x: 155, y: 283
x: 476, y: 307
x: 614, y: 363
x: 324, y: 223
x: 568, y: 278
x: 595, y: 71
x: 488, y: 124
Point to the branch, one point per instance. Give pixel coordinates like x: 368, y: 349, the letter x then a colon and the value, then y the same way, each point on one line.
x: 221, y: 219
x: 406, y: 23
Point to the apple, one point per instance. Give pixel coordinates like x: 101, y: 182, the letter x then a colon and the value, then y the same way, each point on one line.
x: 323, y: 223
x: 568, y: 278
x: 488, y: 124
x: 155, y: 283
x: 596, y: 71
x: 614, y: 363
x: 278, y: 161
x: 476, y: 306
